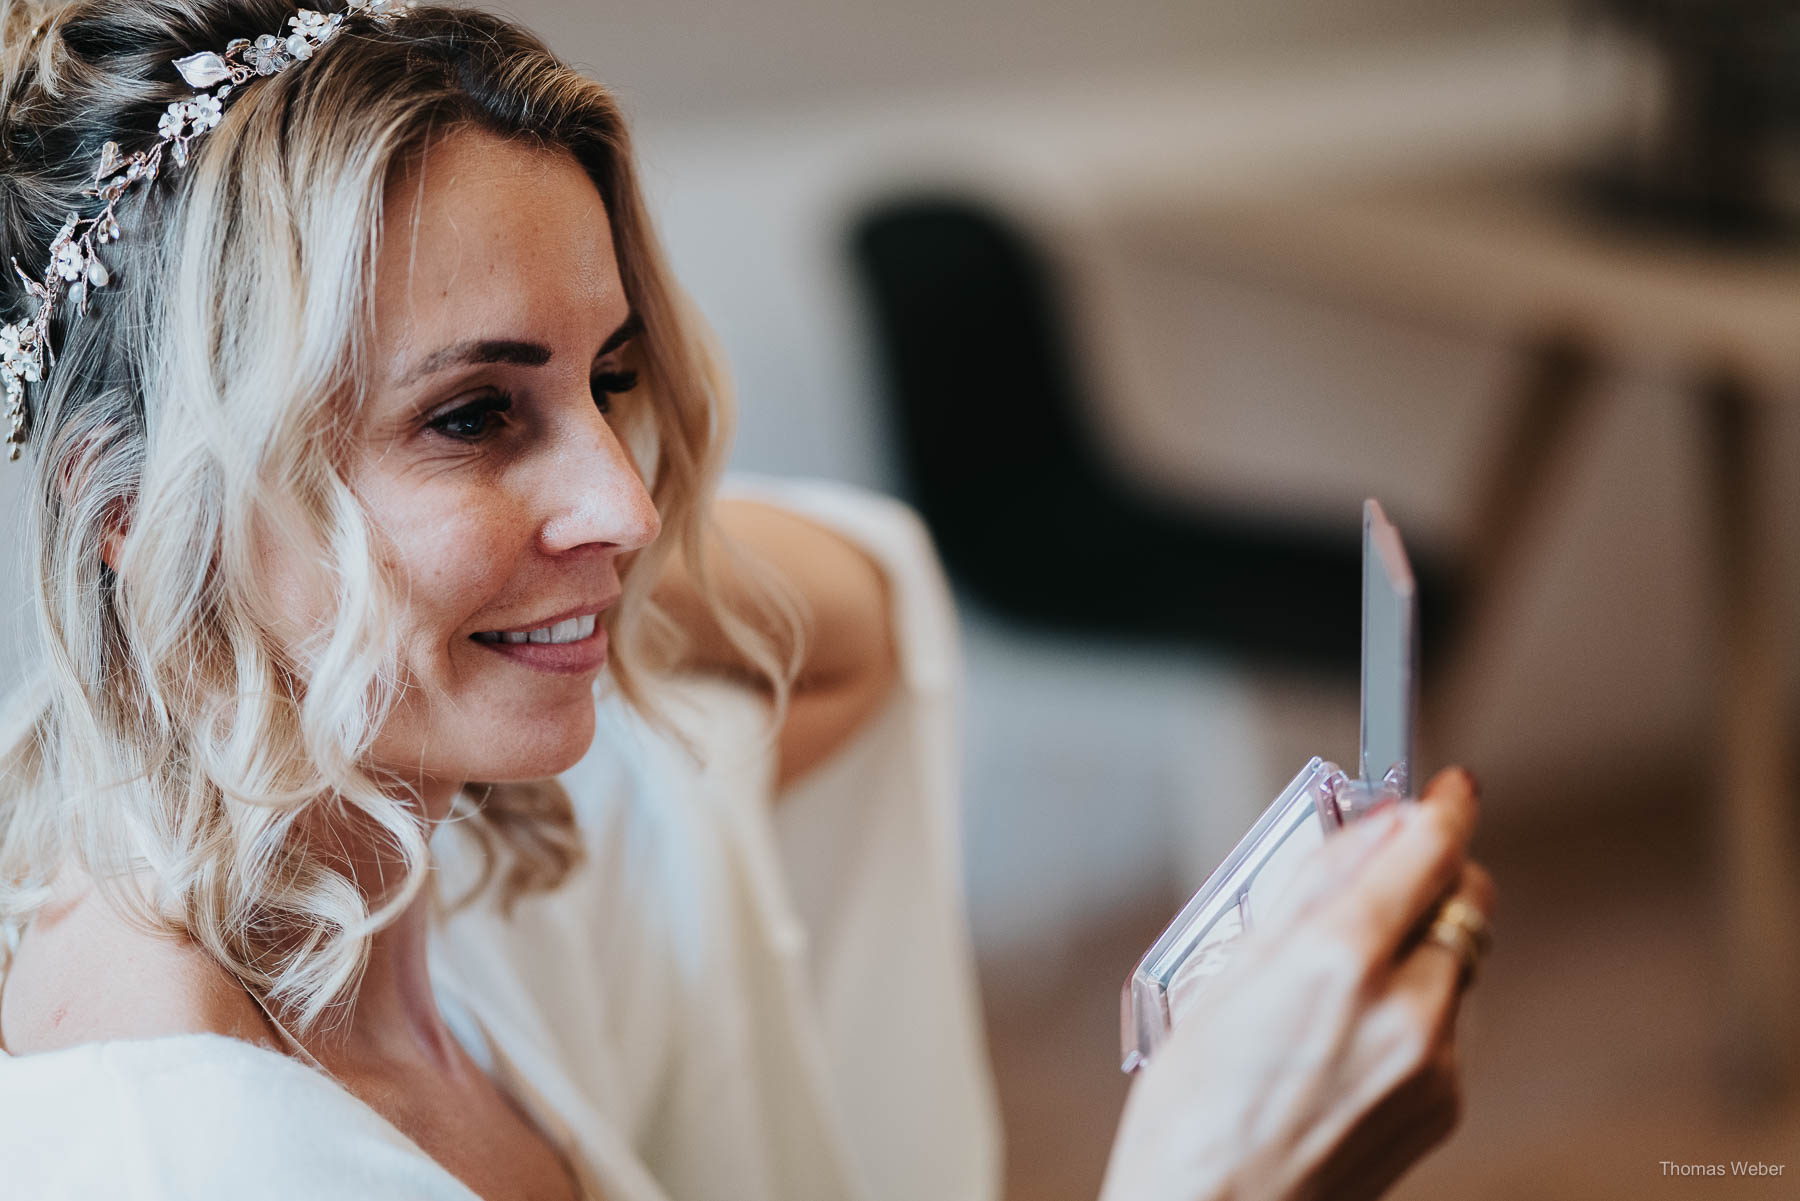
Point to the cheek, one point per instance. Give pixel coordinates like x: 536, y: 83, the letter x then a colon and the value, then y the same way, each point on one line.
x: 450, y: 556
x: 460, y: 556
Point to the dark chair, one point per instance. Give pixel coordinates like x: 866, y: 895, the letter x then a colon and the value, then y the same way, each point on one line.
x: 1031, y: 516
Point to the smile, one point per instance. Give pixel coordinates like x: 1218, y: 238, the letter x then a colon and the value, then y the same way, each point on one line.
x: 572, y: 629
x: 570, y: 646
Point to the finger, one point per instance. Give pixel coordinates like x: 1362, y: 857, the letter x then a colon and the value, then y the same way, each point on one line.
x: 1405, y: 874
x: 1429, y: 978
x: 1330, y: 867
x: 1478, y: 887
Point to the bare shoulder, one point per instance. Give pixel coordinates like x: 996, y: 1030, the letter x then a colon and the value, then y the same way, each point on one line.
x: 84, y: 973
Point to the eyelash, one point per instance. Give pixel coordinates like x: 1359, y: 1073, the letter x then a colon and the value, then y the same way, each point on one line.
x: 483, y: 407
x: 611, y: 384
x: 500, y: 402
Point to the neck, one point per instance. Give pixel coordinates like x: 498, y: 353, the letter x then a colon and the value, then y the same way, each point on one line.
x: 394, y: 1019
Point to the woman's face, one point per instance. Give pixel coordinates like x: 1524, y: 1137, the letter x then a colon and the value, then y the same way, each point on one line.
x: 487, y: 463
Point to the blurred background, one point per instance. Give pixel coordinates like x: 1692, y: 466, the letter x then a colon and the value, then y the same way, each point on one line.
x: 1136, y: 303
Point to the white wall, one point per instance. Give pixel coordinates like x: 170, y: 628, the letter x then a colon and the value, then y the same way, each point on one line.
x: 704, y: 58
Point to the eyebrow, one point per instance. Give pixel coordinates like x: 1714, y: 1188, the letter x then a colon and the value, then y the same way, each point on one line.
x: 474, y: 351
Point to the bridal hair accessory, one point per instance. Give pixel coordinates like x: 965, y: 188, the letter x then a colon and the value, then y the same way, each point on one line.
x: 75, y: 264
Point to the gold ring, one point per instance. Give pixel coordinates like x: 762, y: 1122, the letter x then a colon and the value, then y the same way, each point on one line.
x: 1462, y: 929
x: 1466, y: 914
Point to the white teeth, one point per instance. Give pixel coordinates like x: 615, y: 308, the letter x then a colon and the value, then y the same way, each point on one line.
x: 572, y: 629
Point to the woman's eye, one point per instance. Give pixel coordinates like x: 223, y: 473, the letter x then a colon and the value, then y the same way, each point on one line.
x: 611, y: 384
x: 474, y: 421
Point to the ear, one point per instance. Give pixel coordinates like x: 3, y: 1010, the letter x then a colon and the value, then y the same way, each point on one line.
x: 71, y: 477
x: 115, y: 540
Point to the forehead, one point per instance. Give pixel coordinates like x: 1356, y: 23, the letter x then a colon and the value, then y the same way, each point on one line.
x: 489, y: 236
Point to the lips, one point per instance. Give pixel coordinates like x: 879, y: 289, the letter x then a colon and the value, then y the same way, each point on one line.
x: 566, y: 643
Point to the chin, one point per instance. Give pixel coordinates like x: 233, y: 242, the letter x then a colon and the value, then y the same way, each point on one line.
x: 536, y: 750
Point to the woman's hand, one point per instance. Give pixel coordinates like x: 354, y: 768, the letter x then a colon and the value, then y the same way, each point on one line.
x: 1323, y: 1063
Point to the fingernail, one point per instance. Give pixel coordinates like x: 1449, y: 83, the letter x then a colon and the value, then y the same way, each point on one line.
x: 1454, y: 776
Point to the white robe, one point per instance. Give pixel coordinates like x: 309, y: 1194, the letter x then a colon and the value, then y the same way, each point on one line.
x: 730, y: 1000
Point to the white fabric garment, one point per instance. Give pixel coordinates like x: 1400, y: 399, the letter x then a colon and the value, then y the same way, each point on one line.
x: 732, y: 999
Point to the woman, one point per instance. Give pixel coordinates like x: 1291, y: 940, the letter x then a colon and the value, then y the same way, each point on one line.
x: 376, y: 434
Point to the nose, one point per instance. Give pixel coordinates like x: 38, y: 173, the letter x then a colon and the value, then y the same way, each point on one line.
x: 598, y: 497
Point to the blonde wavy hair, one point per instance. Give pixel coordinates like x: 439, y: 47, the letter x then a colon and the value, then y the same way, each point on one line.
x: 204, y: 407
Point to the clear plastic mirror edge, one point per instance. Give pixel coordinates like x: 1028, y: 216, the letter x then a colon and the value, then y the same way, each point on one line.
x: 1145, y: 1014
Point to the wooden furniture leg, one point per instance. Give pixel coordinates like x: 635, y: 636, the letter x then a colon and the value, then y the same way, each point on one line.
x: 1755, y: 850
x: 1554, y: 389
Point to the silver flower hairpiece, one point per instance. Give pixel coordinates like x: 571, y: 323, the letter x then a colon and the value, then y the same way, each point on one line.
x: 75, y: 265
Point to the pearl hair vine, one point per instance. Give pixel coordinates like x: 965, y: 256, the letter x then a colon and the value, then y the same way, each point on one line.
x: 75, y: 264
